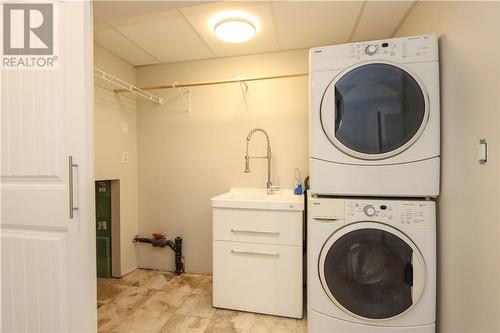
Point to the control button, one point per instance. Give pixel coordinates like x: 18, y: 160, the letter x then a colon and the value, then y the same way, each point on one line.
x: 369, y: 210
x: 371, y: 49
x: 385, y: 44
x: 383, y: 207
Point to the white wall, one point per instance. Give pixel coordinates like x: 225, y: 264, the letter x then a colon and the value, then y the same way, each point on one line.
x: 111, y: 112
x: 468, y: 248
x: 185, y: 160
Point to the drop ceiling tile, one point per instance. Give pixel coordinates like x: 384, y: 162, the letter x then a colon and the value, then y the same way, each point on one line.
x: 166, y: 35
x: 380, y: 19
x: 105, y: 11
x: 264, y: 41
x: 308, y: 24
x: 115, y: 43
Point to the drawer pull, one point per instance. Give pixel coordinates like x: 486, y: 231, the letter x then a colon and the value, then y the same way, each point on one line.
x: 272, y: 254
x: 326, y: 219
x: 256, y: 231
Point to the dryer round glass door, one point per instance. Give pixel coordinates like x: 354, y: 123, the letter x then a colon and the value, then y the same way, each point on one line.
x: 374, y: 111
x: 372, y: 271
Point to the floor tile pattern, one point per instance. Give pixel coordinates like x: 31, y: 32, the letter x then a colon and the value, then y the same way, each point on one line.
x: 148, y: 301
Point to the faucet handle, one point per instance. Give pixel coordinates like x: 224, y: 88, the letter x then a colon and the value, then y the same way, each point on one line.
x: 274, y: 188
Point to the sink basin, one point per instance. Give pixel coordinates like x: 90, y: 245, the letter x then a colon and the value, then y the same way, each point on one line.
x: 259, y: 199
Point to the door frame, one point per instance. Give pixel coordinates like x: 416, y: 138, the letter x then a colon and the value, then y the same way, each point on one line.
x: 86, y: 209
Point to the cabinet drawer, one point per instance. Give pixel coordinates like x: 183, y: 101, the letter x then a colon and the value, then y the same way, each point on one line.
x: 259, y: 278
x: 258, y: 226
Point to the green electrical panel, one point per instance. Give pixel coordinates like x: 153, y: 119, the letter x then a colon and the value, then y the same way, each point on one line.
x: 103, y: 228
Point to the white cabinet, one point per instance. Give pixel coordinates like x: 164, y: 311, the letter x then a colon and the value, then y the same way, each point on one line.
x: 257, y: 260
x: 257, y: 226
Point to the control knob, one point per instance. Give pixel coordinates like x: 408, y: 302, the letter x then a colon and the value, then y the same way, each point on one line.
x: 369, y: 210
x: 371, y: 49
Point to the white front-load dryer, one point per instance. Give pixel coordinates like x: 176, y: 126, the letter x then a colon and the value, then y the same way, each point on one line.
x: 374, y: 118
x: 371, y: 265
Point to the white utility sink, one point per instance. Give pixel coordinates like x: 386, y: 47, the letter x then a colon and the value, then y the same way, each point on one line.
x: 257, y: 251
x: 259, y: 199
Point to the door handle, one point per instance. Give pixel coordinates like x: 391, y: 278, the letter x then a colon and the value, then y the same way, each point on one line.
x: 337, y: 117
x: 71, y: 165
x: 272, y: 254
x: 256, y: 231
x: 409, y: 274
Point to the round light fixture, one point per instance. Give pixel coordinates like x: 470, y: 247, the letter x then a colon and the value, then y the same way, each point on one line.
x: 234, y: 30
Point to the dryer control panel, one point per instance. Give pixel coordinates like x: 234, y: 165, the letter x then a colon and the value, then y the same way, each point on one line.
x: 408, y: 49
x: 395, y: 212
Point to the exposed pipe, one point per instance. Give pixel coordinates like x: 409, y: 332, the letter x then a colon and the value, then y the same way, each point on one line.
x: 176, y: 246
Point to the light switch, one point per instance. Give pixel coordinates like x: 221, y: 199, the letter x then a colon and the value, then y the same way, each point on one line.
x: 482, y: 151
x: 125, y: 157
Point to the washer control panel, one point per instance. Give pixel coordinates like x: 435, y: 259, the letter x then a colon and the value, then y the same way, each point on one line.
x: 409, y: 213
x: 370, y: 210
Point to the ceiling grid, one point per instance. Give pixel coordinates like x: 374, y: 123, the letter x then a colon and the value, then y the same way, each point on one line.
x: 184, y: 32
x: 357, y: 20
x: 403, y: 18
x: 187, y: 21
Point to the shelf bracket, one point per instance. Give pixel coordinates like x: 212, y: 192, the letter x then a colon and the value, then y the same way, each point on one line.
x: 244, y: 91
x: 187, y: 101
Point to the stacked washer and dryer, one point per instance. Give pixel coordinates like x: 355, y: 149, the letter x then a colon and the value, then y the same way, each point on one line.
x: 374, y: 170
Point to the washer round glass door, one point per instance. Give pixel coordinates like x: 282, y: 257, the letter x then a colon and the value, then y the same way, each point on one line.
x: 372, y: 271
x: 374, y: 111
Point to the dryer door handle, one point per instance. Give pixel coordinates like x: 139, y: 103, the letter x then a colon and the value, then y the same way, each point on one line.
x: 328, y: 112
x: 337, y: 119
x: 409, y: 274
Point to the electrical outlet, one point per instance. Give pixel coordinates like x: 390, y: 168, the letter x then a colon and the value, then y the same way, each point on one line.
x: 125, y: 157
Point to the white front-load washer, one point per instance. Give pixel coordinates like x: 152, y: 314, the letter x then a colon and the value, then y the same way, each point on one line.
x: 371, y: 265
x: 374, y: 118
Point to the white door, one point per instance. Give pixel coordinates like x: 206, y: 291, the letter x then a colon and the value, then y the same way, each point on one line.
x: 48, y: 258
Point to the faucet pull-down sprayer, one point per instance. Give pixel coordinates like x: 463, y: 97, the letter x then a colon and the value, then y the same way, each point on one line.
x: 270, y: 187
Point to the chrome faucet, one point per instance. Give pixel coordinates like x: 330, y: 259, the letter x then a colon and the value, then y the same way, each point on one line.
x: 270, y: 187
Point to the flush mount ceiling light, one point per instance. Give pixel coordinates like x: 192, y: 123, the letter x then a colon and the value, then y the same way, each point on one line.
x: 234, y: 27
x: 234, y: 30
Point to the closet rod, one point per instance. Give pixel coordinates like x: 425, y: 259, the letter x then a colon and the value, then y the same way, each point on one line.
x: 209, y: 83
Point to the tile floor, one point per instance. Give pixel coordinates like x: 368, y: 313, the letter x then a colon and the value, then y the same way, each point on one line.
x: 147, y: 301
